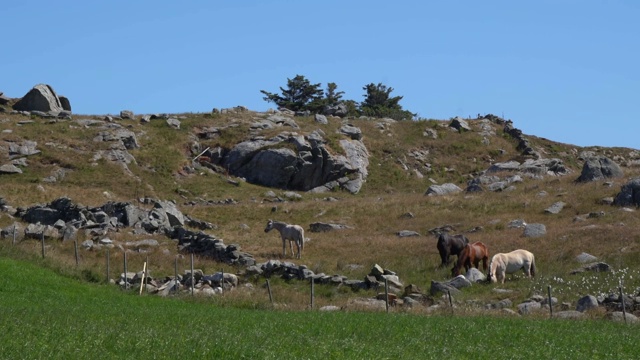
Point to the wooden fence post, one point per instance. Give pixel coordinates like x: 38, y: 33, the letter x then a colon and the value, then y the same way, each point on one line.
x: 269, y: 289
x: 75, y: 249
x: 386, y: 294
x: 550, y: 304
x: 144, y: 271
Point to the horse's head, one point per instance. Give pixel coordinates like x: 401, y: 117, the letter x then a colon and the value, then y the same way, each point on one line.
x: 491, y: 277
x: 455, y: 271
x: 269, y: 226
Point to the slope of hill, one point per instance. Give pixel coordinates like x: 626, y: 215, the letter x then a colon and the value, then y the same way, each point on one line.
x: 96, y: 159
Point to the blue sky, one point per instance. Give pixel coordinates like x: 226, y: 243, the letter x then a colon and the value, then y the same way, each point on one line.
x: 564, y: 70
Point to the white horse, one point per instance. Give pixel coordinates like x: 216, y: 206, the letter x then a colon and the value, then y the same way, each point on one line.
x: 508, y: 263
x: 293, y: 233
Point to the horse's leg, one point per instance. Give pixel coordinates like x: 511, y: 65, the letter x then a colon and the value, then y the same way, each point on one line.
x: 291, y: 248
x: 484, y: 263
x: 284, y: 247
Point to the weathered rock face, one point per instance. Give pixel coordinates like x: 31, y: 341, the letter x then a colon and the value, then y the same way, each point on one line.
x: 629, y: 194
x: 599, y: 168
x: 293, y: 161
x: 42, y: 98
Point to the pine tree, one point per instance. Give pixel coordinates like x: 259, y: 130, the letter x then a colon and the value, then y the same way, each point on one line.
x: 378, y: 102
x: 300, y: 95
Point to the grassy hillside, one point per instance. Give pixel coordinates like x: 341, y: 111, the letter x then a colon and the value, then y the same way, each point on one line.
x: 393, y: 188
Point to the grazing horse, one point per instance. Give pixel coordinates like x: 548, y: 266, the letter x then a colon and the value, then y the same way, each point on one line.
x: 471, y: 256
x: 508, y: 263
x: 450, y: 245
x: 293, y: 233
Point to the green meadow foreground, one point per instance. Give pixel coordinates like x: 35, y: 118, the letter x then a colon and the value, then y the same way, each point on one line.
x: 53, y: 316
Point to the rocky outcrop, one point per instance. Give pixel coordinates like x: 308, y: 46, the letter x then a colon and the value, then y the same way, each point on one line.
x: 99, y: 221
x: 42, y: 98
x: 599, y: 168
x: 629, y: 194
x: 297, y: 162
x: 340, y: 110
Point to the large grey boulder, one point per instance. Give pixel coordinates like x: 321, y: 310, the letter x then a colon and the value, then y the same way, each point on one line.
x: 41, y: 98
x: 297, y: 162
x: 599, y: 168
x: 459, y: 124
x: 169, y: 213
x: 64, y: 101
x: 629, y: 194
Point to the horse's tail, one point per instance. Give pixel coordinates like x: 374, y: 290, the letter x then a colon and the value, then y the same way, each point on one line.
x: 533, y: 266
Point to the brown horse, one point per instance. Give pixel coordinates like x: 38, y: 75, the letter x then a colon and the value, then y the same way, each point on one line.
x: 471, y: 256
x: 450, y: 245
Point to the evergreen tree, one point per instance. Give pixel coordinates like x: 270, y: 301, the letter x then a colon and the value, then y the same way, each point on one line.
x: 378, y: 102
x: 333, y: 97
x: 300, y: 95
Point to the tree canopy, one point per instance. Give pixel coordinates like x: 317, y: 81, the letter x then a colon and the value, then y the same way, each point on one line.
x: 301, y: 95
x: 378, y: 102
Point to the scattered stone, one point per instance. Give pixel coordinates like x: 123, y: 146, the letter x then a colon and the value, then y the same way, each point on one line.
x: 586, y: 303
x: 534, y: 230
x: 555, y: 208
x: 444, y: 189
x: 585, y: 258
x: 407, y: 233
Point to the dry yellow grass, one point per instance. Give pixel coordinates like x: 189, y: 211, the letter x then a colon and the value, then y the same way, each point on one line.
x: 374, y: 214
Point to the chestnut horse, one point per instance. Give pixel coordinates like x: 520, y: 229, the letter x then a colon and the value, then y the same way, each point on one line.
x: 471, y: 256
x: 450, y: 245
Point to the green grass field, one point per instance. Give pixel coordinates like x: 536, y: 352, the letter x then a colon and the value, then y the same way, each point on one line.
x: 45, y: 315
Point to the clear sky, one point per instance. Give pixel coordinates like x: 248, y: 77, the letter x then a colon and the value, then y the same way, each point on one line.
x: 566, y: 70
